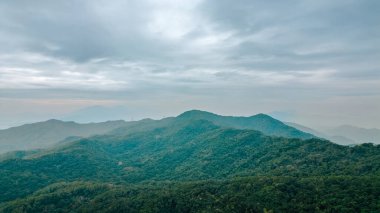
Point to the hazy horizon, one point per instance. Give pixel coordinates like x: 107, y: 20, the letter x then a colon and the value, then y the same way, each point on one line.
x: 293, y: 85
x: 99, y: 114
x: 315, y: 63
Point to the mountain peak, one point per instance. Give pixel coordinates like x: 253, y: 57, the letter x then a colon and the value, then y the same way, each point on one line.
x: 196, y: 114
x: 54, y: 121
x: 260, y: 122
x: 58, y: 122
x: 262, y: 115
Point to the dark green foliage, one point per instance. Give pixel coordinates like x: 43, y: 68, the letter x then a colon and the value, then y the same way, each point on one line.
x: 260, y: 122
x: 184, y: 150
x: 253, y: 194
x: 193, y: 163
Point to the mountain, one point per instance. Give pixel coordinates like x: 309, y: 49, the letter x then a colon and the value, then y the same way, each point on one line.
x: 195, y: 162
x: 307, y: 129
x: 43, y: 134
x: 47, y: 133
x: 260, y: 122
x: 342, y: 140
x: 344, y: 135
x: 356, y: 134
x: 185, y: 150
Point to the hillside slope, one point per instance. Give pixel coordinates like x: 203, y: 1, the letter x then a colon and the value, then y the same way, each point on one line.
x: 47, y: 133
x: 44, y: 134
x: 260, y: 122
x: 184, y: 150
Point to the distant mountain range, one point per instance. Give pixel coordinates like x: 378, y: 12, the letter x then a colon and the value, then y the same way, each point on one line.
x: 177, y: 152
x: 43, y: 134
x: 47, y: 133
x: 345, y: 134
x: 357, y: 134
x: 195, y: 162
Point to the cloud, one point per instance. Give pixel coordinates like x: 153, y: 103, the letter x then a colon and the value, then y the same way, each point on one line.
x: 196, y: 50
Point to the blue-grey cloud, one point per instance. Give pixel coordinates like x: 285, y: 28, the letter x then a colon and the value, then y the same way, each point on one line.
x: 268, y: 56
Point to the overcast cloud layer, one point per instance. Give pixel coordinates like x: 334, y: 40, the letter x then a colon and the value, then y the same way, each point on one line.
x: 313, y: 62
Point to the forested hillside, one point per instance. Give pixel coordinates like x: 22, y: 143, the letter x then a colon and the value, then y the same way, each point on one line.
x: 45, y: 134
x: 184, y: 150
x: 253, y: 194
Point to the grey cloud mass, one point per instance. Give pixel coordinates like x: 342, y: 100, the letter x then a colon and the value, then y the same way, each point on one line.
x: 319, y: 60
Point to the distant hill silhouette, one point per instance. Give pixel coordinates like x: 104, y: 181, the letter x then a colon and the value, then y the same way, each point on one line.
x: 47, y: 133
x: 344, y: 135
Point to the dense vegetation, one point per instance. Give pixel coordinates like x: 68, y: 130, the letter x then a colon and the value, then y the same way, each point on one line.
x: 260, y: 122
x: 181, y: 158
x: 255, y: 194
x: 44, y: 134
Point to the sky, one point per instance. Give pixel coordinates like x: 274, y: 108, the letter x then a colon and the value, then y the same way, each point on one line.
x: 316, y: 63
